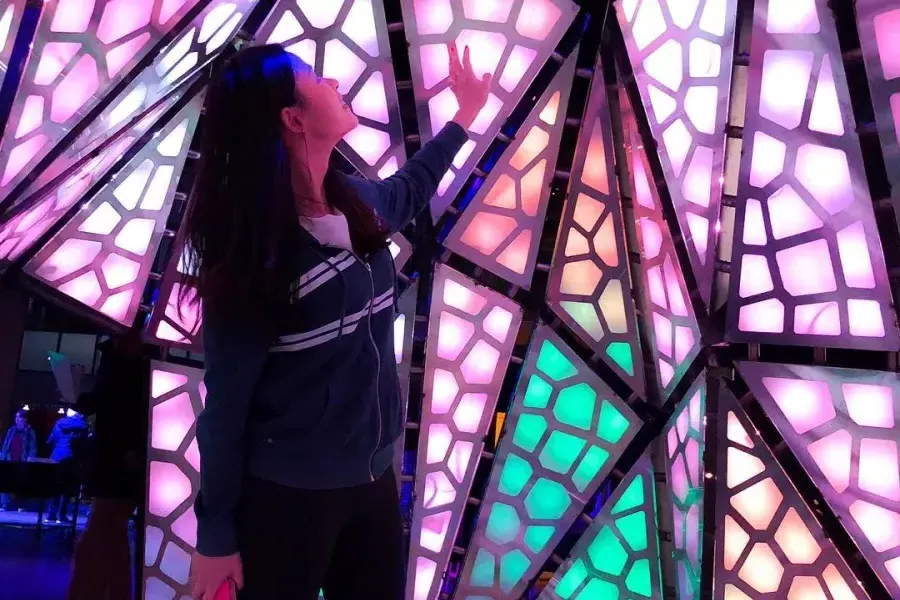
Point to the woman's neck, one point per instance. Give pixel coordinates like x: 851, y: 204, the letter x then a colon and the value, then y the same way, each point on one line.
x: 309, y: 164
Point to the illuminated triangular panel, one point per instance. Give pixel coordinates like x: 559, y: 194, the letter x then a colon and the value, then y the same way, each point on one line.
x: 807, y: 266
x: 177, y: 395
x: 187, y: 53
x: 404, y: 324
x: 563, y: 436
x: 471, y: 334
x: 11, y: 12
x: 501, y: 228
x: 511, y: 40
x: 685, y: 443
x: 102, y: 257
x: 347, y: 40
x: 844, y: 427
x: 682, y: 59
x: 769, y: 545
x: 38, y: 216
x: 669, y: 316
x: 81, y: 49
x: 401, y: 250
x: 618, y: 555
x: 589, y: 286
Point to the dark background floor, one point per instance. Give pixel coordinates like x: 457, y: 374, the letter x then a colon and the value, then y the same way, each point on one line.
x: 32, y: 566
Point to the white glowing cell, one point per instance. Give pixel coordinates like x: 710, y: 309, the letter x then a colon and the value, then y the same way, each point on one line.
x: 785, y: 79
x: 520, y: 59
x: 755, y: 276
x: 497, y: 323
x: 494, y: 11
x: 170, y: 422
x: 120, y: 56
x: 439, y: 491
x: 796, y: 16
x: 869, y: 405
x: 390, y: 167
x: 163, y: 382
x: 537, y: 18
x: 677, y: 140
x: 767, y: 161
x: 102, y: 221
x: 825, y: 173
x: 425, y: 571
x: 172, y: 145
x: 865, y: 318
x: 320, y: 14
x: 135, y: 236
x: 54, y: 58
x: 700, y: 104
x: 371, y: 102
x: 129, y: 105
x: 486, y: 115
x: 370, y: 144
x: 176, y: 52
x: 762, y: 317
x: 288, y: 28
x: 168, y: 488
x: 789, y: 214
x: 224, y: 33
x: 663, y: 104
x: 648, y: 24
x: 825, y: 115
x: 32, y: 115
x: 180, y: 70
x: 485, y: 49
x: 453, y: 334
x: 664, y: 65
x: 342, y: 64
x: 73, y: 255
x: 480, y: 365
x: 434, y: 531
x: 21, y: 155
x: 705, y: 58
x: 215, y: 19
x: 853, y: 249
x: 129, y: 191
x: 442, y: 107
x: 806, y: 269
x: 433, y: 16
x: 84, y: 288
x: 399, y: 324
x: 305, y: 50
x: 439, y: 439
x: 76, y: 88
x: 359, y: 25
x: 157, y: 191
x: 6, y: 24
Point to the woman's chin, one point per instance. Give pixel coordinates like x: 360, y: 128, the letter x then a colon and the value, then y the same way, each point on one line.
x: 352, y: 122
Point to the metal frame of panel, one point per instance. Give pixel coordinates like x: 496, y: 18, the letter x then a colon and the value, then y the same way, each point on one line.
x: 808, y: 266
x: 404, y: 326
x: 10, y: 19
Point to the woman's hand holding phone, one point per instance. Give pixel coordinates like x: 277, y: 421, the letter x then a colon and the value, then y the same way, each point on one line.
x: 212, y: 576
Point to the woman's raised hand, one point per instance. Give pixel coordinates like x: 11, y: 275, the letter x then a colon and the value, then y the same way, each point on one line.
x: 471, y: 92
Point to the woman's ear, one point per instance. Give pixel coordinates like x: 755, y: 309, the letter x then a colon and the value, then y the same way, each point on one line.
x: 291, y: 119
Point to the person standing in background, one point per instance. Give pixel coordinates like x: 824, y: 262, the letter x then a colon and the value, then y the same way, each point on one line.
x: 68, y: 433
x: 19, y: 445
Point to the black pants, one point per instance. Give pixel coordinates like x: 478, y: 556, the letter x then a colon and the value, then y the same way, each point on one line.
x: 346, y: 541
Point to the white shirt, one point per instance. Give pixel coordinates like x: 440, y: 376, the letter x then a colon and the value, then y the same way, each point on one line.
x: 329, y: 230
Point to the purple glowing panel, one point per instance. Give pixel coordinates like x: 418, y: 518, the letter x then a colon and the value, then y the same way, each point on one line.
x: 510, y: 40
x: 404, y: 324
x: 101, y: 259
x: 501, y: 228
x: 10, y: 19
x: 769, y: 544
x: 681, y: 53
x: 879, y: 37
x: 668, y: 313
x: 38, y: 216
x: 685, y: 443
x: 844, y: 426
x: 177, y: 395
x: 589, y: 286
x: 181, y: 59
x: 807, y: 267
x: 401, y: 250
x: 81, y: 49
x: 471, y: 334
x: 563, y: 436
x: 347, y: 40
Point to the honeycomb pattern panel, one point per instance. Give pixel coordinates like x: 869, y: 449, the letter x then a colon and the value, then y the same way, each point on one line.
x: 501, y: 228
x: 842, y: 424
x: 563, y: 435
x: 807, y: 265
x: 81, y: 49
x: 589, y: 286
x: 618, y: 556
x: 11, y: 12
x: 347, y: 40
x: 471, y: 334
x: 102, y: 257
x: 508, y: 39
x: 770, y: 545
x: 404, y: 325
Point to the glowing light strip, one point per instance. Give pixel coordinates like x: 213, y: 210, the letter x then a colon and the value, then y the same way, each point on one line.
x: 511, y: 40
x: 10, y: 19
x: 81, y: 49
x: 471, y: 334
x: 501, y: 228
x: 188, y: 53
x: 685, y: 444
x: 844, y: 426
x: 348, y: 41
x: 669, y: 315
x: 177, y: 395
x: 20, y: 233
x: 807, y: 267
x: 564, y: 434
x: 769, y: 543
x: 618, y: 556
x: 681, y: 53
x: 404, y: 324
x: 589, y: 286
x: 401, y: 251
x: 102, y: 257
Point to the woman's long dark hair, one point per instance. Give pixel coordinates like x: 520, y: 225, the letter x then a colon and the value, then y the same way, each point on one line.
x: 241, y: 227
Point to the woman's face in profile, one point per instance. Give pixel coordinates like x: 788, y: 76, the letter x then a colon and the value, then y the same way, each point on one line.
x: 322, y: 112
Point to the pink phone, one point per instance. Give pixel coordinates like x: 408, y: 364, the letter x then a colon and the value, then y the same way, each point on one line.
x: 226, y: 591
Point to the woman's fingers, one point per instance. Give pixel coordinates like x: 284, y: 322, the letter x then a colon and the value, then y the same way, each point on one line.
x: 467, y: 63
x: 455, y: 66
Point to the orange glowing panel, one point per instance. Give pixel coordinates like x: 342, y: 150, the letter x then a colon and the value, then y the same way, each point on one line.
x: 682, y: 65
x: 770, y: 545
x: 347, y: 40
x: 501, y: 228
x: 669, y: 315
x: 102, y: 258
x: 82, y: 48
x: 589, y: 286
x: 510, y: 40
x: 471, y: 334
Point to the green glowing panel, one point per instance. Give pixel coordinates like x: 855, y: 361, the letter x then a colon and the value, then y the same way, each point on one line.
x: 483, y: 573
x: 512, y: 568
x: 622, y: 355
x: 565, y: 430
x: 618, y: 556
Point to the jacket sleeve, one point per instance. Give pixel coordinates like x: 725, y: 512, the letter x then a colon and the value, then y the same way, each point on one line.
x: 234, y: 354
x: 403, y: 195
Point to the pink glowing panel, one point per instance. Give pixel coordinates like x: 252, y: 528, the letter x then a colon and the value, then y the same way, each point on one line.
x: 188, y: 53
x: 10, y: 19
x: 461, y: 390
x: 825, y: 260
x: 81, y: 49
x: 502, y: 225
x: 683, y: 72
x: 669, y: 314
x: 770, y: 540
x: 842, y: 424
x: 124, y: 223
x: 362, y: 69
x: 510, y: 40
x: 176, y: 400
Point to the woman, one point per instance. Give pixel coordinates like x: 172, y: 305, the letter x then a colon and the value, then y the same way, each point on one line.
x: 297, y: 290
